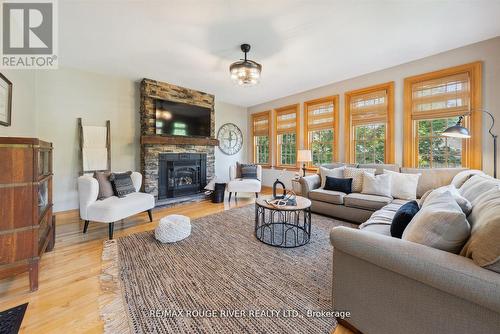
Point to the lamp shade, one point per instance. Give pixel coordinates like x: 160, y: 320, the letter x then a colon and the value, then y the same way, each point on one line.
x: 304, y: 155
x: 457, y: 130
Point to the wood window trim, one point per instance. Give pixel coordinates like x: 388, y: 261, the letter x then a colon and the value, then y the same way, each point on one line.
x: 389, y: 134
x: 268, y: 115
x: 335, y: 100
x: 472, y: 148
x: 277, y: 112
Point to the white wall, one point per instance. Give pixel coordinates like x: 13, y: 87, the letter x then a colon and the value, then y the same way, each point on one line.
x: 64, y: 95
x: 486, y: 51
x: 229, y: 113
x: 24, y: 116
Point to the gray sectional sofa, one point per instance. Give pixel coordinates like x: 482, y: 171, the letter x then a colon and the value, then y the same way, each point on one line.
x: 390, y: 285
x: 357, y: 207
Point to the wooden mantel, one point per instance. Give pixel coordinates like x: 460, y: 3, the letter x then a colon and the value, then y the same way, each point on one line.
x: 178, y: 140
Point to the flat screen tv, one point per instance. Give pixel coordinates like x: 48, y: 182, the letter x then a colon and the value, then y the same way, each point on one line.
x: 181, y: 119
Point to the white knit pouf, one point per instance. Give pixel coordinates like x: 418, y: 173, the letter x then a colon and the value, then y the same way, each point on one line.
x: 173, y: 228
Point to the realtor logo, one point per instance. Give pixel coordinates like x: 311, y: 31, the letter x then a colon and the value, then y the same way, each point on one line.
x: 29, y: 34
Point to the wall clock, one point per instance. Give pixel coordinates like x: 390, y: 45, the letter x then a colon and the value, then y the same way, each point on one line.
x: 230, y: 139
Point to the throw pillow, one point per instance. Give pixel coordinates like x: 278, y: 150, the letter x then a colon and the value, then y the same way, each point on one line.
x: 238, y: 170
x: 402, y: 218
x: 403, y: 186
x: 483, y: 246
x: 122, y: 184
x: 377, y: 184
x: 459, y: 179
x: 462, y: 202
x: 337, y: 184
x: 440, y: 224
x: 335, y: 172
x: 248, y: 171
x: 356, y: 174
x: 105, y: 187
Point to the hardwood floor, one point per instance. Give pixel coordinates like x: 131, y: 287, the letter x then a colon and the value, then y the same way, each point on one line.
x: 66, y: 301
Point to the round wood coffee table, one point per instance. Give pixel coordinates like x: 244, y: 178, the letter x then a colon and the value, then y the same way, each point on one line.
x: 285, y: 226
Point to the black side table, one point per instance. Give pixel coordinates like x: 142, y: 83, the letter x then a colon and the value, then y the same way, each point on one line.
x: 218, y: 193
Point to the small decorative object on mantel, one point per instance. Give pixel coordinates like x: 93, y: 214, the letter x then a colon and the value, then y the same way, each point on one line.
x: 5, y: 101
x: 230, y: 138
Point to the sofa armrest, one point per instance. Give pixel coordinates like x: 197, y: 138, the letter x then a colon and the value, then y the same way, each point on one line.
x: 309, y: 183
x: 88, y: 190
x: 232, y: 172
x: 259, y: 173
x: 451, y: 273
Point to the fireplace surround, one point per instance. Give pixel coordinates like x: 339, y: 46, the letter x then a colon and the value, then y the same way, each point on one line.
x: 155, y: 148
x: 181, y: 174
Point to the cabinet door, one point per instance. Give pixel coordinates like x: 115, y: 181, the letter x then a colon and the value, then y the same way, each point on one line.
x: 16, y: 208
x: 16, y: 246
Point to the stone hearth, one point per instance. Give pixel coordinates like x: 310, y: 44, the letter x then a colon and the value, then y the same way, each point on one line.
x: 152, y: 145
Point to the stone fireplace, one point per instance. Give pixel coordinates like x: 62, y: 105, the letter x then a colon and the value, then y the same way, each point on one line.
x: 174, y: 168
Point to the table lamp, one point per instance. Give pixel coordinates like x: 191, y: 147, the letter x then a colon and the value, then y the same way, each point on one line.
x: 304, y: 156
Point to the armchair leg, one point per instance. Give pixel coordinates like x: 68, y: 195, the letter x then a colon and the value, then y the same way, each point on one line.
x: 111, y: 227
x: 256, y: 195
x: 150, y: 214
x: 235, y: 194
x: 230, y: 196
x: 85, y: 226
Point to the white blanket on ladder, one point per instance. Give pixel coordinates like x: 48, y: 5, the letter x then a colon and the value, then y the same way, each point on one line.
x: 95, y: 152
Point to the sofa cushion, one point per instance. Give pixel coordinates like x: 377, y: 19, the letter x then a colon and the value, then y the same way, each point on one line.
x: 403, y: 186
x: 383, y: 229
x: 328, y: 196
x: 338, y: 164
x: 248, y: 171
x: 402, y: 218
x: 113, y: 208
x: 377, y: 184
x: 459, y: 179
x: 364, y: 201
x: 477, y: 185
x: 432, y: 178
x: 356, y: 174
x: 462, y: 202
x: 439, y: 224
x: 244, y: 185
x: 335, y: 172
x: 338, y: 184
x: 483, y: 245
x: 379, y: 168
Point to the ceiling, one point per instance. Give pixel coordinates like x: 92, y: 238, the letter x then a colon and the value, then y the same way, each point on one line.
x: 301, y: 44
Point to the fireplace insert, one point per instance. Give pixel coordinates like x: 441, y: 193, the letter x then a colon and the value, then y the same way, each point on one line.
x: 181, y: 174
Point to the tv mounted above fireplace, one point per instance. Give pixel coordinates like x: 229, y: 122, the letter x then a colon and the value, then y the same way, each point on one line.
x: 181, y: 119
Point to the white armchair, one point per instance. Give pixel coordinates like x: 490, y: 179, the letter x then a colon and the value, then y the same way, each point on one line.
x: 111, y: 209
x: 243, y: 185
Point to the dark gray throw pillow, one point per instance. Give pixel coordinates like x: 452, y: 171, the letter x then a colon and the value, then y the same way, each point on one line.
x: 105, y: 187
x: 122, y: 184
x: 338, y: 184
x: 248, y: 171
x: 402, y: 218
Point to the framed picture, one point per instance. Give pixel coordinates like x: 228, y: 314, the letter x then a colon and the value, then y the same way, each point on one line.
x: 5, y: 101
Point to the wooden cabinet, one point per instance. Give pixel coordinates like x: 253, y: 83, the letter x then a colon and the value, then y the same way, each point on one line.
x: 27, y: 227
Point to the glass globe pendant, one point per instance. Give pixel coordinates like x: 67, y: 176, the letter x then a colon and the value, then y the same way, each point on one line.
x: 245, y: 72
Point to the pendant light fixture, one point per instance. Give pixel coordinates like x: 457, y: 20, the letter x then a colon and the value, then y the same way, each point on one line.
x: 245, y: 72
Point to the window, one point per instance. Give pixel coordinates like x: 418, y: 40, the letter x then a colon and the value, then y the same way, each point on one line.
x: 369, y: 124
x: 321, y: 129
x: 433, y: 102
x: 286, y: 123
x: 261, y: 138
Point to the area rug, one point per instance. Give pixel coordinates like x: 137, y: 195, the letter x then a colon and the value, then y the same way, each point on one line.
x: 11, y: 319
x: 221, y: 279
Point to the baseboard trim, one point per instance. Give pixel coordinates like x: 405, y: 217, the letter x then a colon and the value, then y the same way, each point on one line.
x: 349, y: 326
